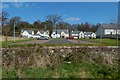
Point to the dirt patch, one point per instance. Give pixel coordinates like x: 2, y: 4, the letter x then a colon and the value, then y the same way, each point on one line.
x: 9, y: 38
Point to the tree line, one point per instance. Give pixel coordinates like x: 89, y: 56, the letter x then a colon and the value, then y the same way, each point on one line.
x: 51, y: 22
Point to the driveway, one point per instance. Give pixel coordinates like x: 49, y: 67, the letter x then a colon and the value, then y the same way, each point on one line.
x: 81, y: 42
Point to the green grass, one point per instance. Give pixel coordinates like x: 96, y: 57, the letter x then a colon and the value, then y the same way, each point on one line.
x: 105, y: 41
x: 11, y: 73
x: 26, y: 45
x: 64, y: 70
x: 10, y: 43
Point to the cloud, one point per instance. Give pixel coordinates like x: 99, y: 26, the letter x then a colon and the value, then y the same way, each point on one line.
x: 72, y: 19
x: 27, y: 5
x: 18, y: 4
x: 22, y: 4
x: 5, y: 6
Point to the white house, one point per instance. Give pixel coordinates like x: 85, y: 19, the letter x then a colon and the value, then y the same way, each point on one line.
x: 89, y: 35
x: 27, y: 33
x: 43, y: 33
x: 60, y: 33
x: 81, y: 34
x: 108, y: 30
x: 75, y: 34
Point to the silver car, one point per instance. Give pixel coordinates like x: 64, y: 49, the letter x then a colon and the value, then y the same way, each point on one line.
x: 43, y: 38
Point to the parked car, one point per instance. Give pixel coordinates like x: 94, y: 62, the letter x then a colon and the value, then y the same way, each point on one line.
x: 43, y: 38
x: 36, y: 36
x: 70, y: 37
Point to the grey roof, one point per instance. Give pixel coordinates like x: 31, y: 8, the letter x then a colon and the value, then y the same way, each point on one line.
x: 29, y: 31
x: 110, y: 26
x: 75, y: 32
x: 58, y: 31
x: 41, y: 31
x: 88, y: 33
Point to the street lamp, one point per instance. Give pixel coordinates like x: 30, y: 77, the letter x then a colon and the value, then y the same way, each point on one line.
x: 14, y: 31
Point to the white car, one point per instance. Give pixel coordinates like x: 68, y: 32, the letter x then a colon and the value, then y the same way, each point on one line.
x: 36, y: 36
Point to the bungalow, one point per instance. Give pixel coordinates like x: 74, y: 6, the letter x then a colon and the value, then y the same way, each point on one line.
x: 27, y: 33
x: 43, y: 33
x: 89, y: 35
x: 108, y: 30
x: 60, y: 33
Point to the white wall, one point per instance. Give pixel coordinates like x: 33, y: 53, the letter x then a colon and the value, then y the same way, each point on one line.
x: 54, y: 35
x: 26, y: 34
x: 113, y: 31
x: 93, y: 35
x: 44, y: 34
x: 81, y: 35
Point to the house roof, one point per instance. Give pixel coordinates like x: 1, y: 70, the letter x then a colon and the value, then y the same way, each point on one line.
x: 60, y: 30
x: 88, y: 33
x: 110, y: 26
x: 29, y: 31
x: 41, y: 31
x: 75, y: 32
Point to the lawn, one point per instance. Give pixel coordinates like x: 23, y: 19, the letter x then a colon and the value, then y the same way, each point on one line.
x: 104, y: 41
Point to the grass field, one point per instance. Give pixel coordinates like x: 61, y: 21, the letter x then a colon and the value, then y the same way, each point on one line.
x: 105, y: 41
x: 11, y: 40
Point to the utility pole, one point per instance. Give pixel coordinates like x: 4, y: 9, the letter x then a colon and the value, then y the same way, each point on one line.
x: 14, y: 31
x: 101, y: 35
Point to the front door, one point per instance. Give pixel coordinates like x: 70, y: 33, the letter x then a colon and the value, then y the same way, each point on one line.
x: 63, y: 37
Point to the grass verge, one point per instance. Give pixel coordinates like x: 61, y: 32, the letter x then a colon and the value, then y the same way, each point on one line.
x: 105, y: 41
x: 65, y: 70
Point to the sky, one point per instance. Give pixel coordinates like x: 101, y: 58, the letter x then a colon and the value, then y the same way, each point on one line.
x: 71, y: 12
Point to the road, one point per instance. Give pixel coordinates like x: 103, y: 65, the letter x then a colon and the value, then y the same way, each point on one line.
x: 59, y: 41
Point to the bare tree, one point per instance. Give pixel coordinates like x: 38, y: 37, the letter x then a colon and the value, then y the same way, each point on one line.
x: 4, y: 18
x: 6, y: 30
x: 54, y: 19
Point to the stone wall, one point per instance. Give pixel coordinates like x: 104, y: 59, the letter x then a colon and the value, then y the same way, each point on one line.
x: 21, y: 57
